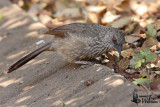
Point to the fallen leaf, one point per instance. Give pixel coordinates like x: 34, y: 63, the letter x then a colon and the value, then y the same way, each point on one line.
x: 155, y: 86
x: 139, y: 8
x: 151, y: 41
x: 123, y: 64
x: 143, y: 75
x: 123, y: 72
x: 70, y: 13
x: 61, y: 5
x: 132, y: 27
x: 153, y: 48
x: 109, y: 17
x: 141, y: 81
x: 156, y: 72
x: 158, y: 63
x: 111, y: 57
x: 1, y: 16
x: 112, y: 3
x: 91, y: 2
x: 131, y: 71
x: 88, y: 82
x: 157, y: 25
x: 34, y: 9
x: 93, y: 17
x: 131, y: 38
x: 44, y: 18
x: 47, y: 62
x: 127, y: 53
x: 151, y: 31
x: 120, y: 23
x: 96, y: 9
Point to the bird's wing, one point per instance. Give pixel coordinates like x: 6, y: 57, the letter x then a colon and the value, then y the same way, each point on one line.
x: 87, y: 29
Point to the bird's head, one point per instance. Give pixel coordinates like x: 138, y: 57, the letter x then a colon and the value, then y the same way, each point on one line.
x: 116, y: 39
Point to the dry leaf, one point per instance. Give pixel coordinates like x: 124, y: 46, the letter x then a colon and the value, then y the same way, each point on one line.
x: 34, y: 9
x: 61, y: 5
x: 130, y: 71
x: 155, y: 86
x: 96, y: 9
x: 111, y: 58
x: 120, y: 23
x: 109, y: 17
x: 157, y: 25
x: 150, y: 42
x: 127, y: 53
x: 88, y: 82
x: 123, y: 64
x: 139, y: 8
x: 112, y: 3
x: 93, y: 17
x: 153, y: 48
x: 44, y: 18
x: 131, y: 38
x: 131, y: 28
x: 157, y: 63
x: 69, y: 13
x: 91, y: 2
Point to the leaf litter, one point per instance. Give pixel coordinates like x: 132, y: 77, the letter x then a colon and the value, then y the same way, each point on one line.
x: 139, y: 19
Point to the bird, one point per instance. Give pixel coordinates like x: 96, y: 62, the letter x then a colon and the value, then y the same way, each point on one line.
x: 78, y: 42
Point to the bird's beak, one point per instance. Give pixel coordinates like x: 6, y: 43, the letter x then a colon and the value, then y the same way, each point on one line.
x: 119, y: 48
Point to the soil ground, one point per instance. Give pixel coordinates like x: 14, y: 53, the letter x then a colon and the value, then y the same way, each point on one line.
x: 48, y: 80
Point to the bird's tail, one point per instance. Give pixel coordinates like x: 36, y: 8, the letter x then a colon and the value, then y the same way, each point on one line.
x: 28, y: 57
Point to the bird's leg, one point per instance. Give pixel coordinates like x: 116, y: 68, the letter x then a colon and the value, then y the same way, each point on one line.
x: 85, y: 64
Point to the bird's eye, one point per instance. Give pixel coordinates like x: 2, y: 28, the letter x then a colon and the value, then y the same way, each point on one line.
x: 114, y: 38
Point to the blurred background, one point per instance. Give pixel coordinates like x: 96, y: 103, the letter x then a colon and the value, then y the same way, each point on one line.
x: 118, y: 13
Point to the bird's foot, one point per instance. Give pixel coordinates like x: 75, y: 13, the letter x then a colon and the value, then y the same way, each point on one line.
x: 84, y: 64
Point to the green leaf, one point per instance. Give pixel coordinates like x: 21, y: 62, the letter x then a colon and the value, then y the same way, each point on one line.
x: 138, y: 64
x: 151, y: 31
x: 1, y: 16
x: 142, y: 57
x: 143, y: 75
x: 147, y: 50
x: 139, y: 56
x: 132, y: 27
x: 141, y: 81
x: 150, y: 57
x: 42, y: 5
x: 141, y: 52
x: 142, y: 60
x: 63, y: 104
x: 157, y: 72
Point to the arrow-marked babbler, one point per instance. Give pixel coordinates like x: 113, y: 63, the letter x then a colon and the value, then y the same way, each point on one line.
x: 78, y: 42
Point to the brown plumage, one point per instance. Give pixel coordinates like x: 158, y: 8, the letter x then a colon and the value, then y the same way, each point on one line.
x: 78, y: 41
